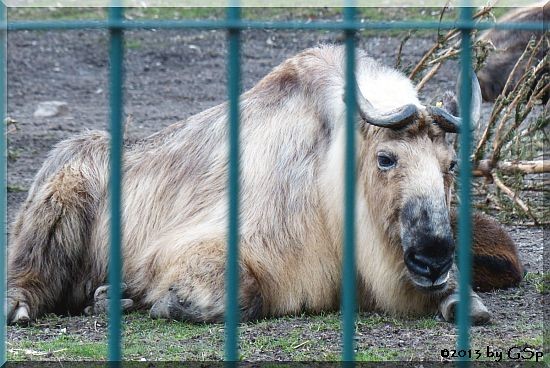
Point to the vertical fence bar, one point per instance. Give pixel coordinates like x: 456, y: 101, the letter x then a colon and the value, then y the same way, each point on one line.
x: 348, y: 269
x: 116, y: 107
x: 232, y: 272
x: 464, y: 219
x: 3, y: 180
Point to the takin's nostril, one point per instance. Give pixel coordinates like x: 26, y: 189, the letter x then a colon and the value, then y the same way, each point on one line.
x: 418, y: 264
x: 429, y: 267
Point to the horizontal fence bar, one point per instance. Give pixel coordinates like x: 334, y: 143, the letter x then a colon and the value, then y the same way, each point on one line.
x: 245, y: 24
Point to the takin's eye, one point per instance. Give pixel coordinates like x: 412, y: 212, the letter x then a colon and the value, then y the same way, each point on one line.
x: 386, y: 161
x: 452, y: 166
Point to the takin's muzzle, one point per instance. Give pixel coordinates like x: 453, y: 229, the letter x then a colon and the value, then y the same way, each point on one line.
x: 427, y: 241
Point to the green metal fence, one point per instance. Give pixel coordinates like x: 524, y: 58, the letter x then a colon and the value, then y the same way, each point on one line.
x: 116, y: 24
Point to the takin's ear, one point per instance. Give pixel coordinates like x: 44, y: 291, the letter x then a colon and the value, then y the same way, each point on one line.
x: 446, y: 111
x: 496, y: 263
x: 450, y: 103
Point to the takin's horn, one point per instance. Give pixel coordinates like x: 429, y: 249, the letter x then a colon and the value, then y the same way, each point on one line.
x: 451, y: 123
x: 445, y: 120
x: 395, y: 119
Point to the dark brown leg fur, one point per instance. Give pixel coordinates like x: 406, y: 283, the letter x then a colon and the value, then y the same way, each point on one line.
x: 496, y: 263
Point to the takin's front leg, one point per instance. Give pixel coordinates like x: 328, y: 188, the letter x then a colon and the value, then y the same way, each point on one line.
x: 101, y: 301
x: 448, y: 305
x: 192, y: 286
x: 479, y: 314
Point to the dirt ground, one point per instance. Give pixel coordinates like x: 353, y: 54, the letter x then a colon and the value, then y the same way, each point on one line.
x: 174, y: 74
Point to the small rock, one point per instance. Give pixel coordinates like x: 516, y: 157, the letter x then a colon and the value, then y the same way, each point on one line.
x: 50, y: 109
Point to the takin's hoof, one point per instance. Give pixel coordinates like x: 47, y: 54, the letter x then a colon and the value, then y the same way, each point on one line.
x: 101, y: 301
x: 102, y: 307
x: 167, y: 307
x: 170, y: 306
x: 17, y: 309
x: 479, y: 314
x: 102, y: 292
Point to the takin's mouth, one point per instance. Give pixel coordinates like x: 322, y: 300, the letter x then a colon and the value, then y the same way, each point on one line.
x: 427, y: 285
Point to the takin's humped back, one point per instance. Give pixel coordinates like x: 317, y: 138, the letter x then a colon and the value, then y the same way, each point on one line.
x: 174, y: 210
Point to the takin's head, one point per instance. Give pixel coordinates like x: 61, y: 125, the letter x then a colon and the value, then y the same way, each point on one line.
x: 407, y: 166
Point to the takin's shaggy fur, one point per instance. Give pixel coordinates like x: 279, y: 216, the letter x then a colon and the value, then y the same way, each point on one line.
x: 175, y: 210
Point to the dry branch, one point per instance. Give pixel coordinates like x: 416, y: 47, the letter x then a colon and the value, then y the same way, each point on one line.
x: 527, y: 84
x: 442, y: 42
x: 500, y: 104
x: 514, y: 197
x: 524, y: 95
x: 400, y: 52
x: 512, y: 167
x: 428, y: 76
x: 524, y: 167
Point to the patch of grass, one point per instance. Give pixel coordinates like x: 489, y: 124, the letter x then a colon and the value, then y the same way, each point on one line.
x: 376, y: 320
x: 540, y: 280
x: 287, y: 343
x: 14, y: 154
x: 151, y: 339
x: 536, y: 341
x: 16, y: 188
x: 326, y: 322
x: 376, y: 355
x: 297, y: 342
x: 61, y: 347
x: 175, y: 13
x: 373, y: 320
x: 52, y: 13
x: 526, y: 325
x: 132, y: 44
x: 528, y: 346
x: 426, y: 323
x: 543, y: 286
